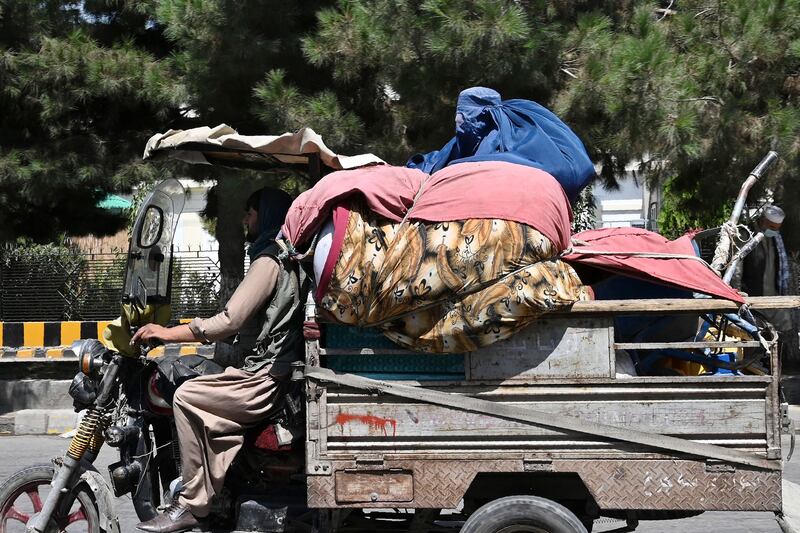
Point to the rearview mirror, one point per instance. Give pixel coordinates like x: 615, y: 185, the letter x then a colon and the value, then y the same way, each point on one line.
x: 151, y: 228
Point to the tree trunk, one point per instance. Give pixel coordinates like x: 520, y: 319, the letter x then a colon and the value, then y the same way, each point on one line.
x: 232, y: 192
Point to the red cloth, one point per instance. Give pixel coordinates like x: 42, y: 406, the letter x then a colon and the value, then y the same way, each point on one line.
x: 681, y: 273
x: 389, y: 191
x: 340, y: 216
x: 267, y: 440
x: 490, y: 189
x: 495, y: 189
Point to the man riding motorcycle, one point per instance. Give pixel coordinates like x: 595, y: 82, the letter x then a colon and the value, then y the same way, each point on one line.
x: 212, y: 412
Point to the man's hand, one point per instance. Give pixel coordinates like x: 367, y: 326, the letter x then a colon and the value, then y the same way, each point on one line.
x: 150, y: 332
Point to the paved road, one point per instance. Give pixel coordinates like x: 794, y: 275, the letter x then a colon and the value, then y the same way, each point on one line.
x: 17, y: 452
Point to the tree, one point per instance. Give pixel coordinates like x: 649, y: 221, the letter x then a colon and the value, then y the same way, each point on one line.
x: 222, y: 50
x: 82, y: 86
x: 397, y: 67
x: 698, y: 94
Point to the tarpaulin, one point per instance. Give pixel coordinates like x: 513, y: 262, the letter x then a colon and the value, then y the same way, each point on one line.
x: 677, y: 265
x: 515, y: 131
x: 485, y: 190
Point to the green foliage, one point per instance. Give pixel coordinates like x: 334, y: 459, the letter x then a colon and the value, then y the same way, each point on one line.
x: 584, y: 211
x: 279, y: 103
x: 399, y: 66
x: 193, y: 292
x: 54, y: 282
x: 696, y: 95
x: 684, y: 208
x: 699, y: 97
x: 35, y: 279
x: 80, y: 92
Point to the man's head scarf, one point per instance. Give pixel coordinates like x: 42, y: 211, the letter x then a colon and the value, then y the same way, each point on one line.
x: 273, y: 204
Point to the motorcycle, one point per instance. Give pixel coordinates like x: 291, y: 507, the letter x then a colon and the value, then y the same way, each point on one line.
x: 125, y: 397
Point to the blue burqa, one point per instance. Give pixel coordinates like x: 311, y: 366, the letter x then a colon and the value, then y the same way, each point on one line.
x: 515, y: 131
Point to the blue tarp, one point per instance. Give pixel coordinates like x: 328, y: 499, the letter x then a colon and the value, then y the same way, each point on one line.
x: 515, y: 131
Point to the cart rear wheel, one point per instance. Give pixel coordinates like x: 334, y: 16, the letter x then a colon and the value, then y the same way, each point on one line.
x: 523, y: 514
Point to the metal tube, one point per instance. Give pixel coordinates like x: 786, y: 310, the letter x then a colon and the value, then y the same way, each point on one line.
x: 746, y: 249
x: 751, y: 180
x: 59, y: 487
x: 741, y: 199
x: 108, y: 381
x: 722, y: 251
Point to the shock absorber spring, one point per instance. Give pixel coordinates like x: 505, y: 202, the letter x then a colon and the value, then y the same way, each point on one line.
x: 97, y: 441
x: 88, y: 434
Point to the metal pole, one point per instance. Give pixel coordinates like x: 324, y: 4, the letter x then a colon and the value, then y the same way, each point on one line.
x: 722, y: 252
x: 746, y: 249
x: 59, y: 487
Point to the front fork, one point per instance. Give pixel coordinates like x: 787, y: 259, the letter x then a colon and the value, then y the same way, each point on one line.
x: 89, y: 437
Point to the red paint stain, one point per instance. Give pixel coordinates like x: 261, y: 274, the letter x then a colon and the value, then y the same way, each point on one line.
x: 374, y: 422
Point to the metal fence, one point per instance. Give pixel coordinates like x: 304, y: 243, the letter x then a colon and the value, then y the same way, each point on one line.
x: 55, y: 283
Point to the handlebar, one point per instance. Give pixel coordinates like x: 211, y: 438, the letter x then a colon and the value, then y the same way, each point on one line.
x: 764, y: 165
x: 723, y: 249
x: 145, y: 347
x: 751, y: 180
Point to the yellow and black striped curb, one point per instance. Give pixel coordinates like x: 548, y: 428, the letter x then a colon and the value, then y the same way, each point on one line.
x: 44, y: 334
x: 64, y: 352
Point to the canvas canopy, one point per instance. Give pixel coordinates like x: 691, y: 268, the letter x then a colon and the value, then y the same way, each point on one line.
x: 224, y: 146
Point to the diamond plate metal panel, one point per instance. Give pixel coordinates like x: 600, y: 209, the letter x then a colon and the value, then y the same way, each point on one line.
x: 615, y: 484
x: 437, y: 483
x: 676, y: 485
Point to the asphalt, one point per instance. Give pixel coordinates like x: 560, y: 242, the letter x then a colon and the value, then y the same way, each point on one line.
x: 19, y: 452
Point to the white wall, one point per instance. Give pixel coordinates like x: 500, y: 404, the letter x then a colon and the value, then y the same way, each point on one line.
x: 190, y: 233
x: 627, y: 206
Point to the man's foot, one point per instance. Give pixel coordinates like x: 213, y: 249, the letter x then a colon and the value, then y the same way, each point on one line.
x: 175, y: 518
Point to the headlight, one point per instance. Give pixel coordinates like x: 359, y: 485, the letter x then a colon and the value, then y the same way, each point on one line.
x: 90, y: 356
x: 83, y: 391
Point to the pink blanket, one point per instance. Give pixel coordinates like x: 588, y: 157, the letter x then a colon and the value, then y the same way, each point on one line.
x: 484, y: 190
x: 681, y: 273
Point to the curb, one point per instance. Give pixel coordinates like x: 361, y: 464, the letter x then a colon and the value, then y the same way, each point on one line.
x: 36, y: 334
x: 65, y: 352
x: 43, y: 421
x: 44, y: 394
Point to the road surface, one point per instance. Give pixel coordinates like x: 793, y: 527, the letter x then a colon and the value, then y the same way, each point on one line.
x: 18, y: 452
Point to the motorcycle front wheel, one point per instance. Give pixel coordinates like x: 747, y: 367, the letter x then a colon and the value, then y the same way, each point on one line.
x: 22, y: 495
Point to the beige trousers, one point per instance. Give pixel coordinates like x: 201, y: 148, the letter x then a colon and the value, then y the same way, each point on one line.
x: 211, y: 415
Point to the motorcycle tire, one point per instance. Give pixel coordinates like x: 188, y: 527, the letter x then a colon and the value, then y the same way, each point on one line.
x: 21, y: 487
